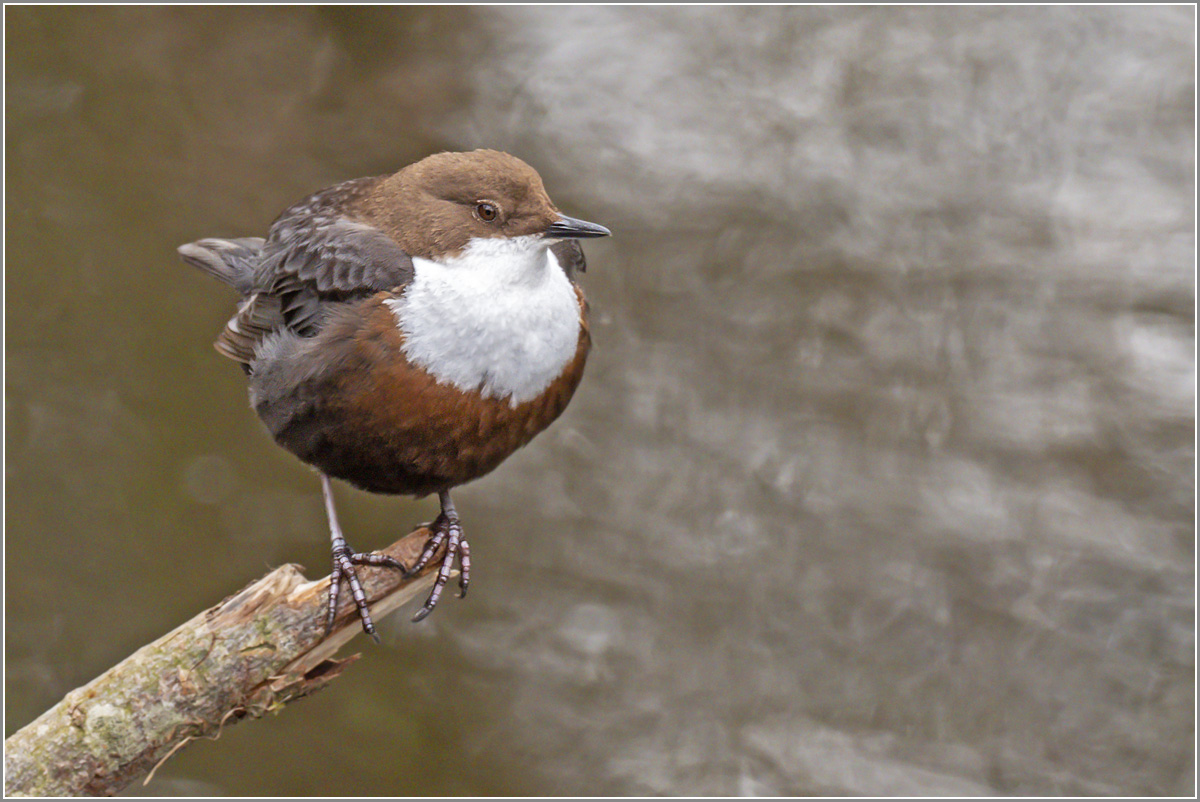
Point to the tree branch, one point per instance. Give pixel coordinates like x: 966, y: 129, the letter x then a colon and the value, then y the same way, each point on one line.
x: 251, y: 654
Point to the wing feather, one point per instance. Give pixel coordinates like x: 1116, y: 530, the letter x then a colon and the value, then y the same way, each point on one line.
x: 316, y: 255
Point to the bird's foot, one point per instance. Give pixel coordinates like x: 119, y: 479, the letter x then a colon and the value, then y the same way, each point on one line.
x: 446, y: 529
x: 344, y: 561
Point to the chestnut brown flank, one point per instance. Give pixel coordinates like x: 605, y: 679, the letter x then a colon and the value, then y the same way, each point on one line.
x: 387, y: 426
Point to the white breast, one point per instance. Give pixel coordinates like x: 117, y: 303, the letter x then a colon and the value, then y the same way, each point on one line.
x: 501, y: 318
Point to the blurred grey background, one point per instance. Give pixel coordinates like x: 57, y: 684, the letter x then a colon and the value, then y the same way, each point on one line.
x: 881, y: 478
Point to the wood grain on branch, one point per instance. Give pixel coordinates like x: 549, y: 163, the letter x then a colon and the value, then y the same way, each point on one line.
x: 251, y: 654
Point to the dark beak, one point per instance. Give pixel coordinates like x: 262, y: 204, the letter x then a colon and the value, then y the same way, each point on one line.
x: 570, y: 228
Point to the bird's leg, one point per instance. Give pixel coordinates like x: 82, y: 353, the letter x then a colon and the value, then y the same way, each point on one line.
x: 344, y: 561
x: 446, y: 529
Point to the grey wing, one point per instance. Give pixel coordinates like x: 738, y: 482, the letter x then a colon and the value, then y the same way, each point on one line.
x: 315, y: 255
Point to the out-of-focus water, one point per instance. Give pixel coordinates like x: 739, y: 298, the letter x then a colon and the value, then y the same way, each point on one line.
x: 881, y: 478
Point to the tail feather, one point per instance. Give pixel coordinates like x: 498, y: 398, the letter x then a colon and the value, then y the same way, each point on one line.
x: 232, y: 261
x: 258, y: 316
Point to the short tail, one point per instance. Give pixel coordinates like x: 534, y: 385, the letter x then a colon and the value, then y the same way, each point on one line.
x: 234, y: 261
x: 230, y: 260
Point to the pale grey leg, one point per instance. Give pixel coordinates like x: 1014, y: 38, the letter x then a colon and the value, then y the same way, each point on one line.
x: 344, y: 561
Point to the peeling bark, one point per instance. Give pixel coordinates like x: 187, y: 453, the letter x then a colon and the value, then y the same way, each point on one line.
x: 251, y: 654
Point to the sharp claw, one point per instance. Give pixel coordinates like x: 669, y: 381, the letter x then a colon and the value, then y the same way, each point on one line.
x: 448, y: 530
x: 343, y: 569
x: 377, y: 561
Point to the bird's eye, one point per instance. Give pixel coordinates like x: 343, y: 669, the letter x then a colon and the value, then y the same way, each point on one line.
x: 487, y: 211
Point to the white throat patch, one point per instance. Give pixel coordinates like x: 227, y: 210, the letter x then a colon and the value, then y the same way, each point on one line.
x: 501, y: 318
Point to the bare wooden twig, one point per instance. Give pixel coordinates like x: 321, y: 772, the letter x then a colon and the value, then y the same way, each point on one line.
x: 251, y: 654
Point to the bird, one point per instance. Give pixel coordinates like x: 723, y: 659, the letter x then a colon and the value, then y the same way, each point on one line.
x: 406, y: 333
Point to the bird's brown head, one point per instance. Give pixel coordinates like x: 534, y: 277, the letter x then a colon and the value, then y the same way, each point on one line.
x: 434, y: 207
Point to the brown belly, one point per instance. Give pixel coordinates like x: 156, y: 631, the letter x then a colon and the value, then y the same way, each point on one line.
x: 360, y: 412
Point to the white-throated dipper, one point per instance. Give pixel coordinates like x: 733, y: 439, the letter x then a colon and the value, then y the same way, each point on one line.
x: 407, y: 333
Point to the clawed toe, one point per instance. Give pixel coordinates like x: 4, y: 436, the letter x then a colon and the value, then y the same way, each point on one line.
x: 343, y: 569
x: 446, y: 529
